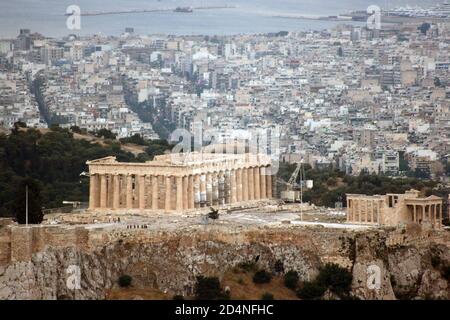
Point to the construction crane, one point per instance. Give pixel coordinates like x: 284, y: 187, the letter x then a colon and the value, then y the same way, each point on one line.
x: 294, y: 190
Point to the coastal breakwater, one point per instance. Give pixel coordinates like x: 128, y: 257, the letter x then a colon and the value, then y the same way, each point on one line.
x: 152, y: 10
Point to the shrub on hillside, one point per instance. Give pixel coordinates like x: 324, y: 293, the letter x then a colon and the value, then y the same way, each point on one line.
x: 279, y: 266
x: 446, y: 272
x: 208, y: 288
x: 262, y: 276
x: 247, y: 266
x: 125, y: 281
x: 310, y: 290
x: 435, y: 261
x: 291, y: 279
x: 336, y: 278
x: 267, y: 296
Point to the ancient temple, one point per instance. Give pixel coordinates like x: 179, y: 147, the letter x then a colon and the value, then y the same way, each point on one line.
x: 394, y: 209
x: 179, y: 182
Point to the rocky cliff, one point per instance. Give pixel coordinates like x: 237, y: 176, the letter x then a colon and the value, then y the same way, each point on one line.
x: 412, y: 263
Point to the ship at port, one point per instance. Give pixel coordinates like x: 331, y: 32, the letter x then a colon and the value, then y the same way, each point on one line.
x: 441, y: 10
x: 183, y: 9
x: 438, y: 12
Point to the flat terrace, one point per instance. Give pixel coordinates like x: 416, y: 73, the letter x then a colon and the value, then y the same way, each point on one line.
x: 267, y: 215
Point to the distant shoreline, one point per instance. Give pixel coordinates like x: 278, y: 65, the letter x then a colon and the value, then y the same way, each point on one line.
x: 351, y: 18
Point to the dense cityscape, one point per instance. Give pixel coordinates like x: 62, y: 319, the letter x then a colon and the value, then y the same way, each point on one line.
x: 355, y: 99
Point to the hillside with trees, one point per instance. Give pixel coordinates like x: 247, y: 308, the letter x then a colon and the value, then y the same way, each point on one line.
x: 54, y: 159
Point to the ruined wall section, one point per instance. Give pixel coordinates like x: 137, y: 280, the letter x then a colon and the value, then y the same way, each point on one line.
x: 5, y: 242
x: 19, y: 243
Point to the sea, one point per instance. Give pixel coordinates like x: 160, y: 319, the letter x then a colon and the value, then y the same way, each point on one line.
x: 246, y: 17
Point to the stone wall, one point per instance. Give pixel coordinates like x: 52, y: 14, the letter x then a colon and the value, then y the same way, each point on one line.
x: 5, y: 243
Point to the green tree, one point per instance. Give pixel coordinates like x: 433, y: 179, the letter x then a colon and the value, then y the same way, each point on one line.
x: 208, y: 288
x: 262, y: 276
x: 105, y: 134
x: 336, y: 278
x: 310, y: 290
x: 55, y: 160
x: 267, y: 296
x: 424, y: 27
x: 135, y: 139
x: 291, y: 279
x: 125, y: 281
x: 437, y: 82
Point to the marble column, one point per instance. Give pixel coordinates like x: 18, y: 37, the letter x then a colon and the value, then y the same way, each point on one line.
x: 351, y: 216
x: 379, y: 212
x: 129, y: 191
x: 93, y: 196
x: 257, y: 188
x: 359, y: 211
x: 372, y: 212
x: 233, y: 186
x: 155, y: 191
x: 244, y: 184
x: 367, y: 211
x: 103, y: 191
x: 415, y: 213
x: 227, y: 186
x: 215, y: 188
x: 197, y: 195
x: 116, y: 190
x: 349, y: 210
x: 179, y: 203
x: 168, y: 197
x: 432, y: 215
x: 202, y: 190
x: 141, y: 182
x: 239, y: 195
x: 191, y: 196
x: 440, y: 215
x: 209, y: 189
x: 221, y: 180
x: 251, y: 184
x: 269, y: 182
x: 185, y: 192
x: 262, y: 180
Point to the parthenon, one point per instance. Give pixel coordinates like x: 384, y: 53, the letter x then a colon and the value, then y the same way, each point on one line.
x: 394, y: 209
x: 179, y: 182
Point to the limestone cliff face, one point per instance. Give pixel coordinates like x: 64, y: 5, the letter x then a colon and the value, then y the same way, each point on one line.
x: 170, y: 261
